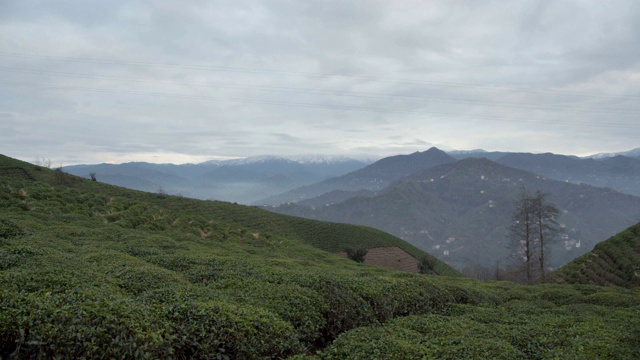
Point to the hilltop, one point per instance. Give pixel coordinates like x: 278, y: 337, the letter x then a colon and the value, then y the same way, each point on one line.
x: 89, y: 270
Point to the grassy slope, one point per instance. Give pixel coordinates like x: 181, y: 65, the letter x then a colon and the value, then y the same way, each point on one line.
x: 134, y: 209
x: 89, y: 270
x: 615, y: 261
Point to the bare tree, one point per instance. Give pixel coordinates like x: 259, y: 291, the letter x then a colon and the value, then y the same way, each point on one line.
x: 93, y: 176
x: 521, y: 232
x: 534, y: 227
x: 545, y: 216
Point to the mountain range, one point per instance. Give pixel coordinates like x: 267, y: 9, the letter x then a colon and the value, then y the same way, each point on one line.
x: 455, y: 205
x: 374, y: 177
x: 237, y: 180
x: 460, y: 210
x: 619, y: 172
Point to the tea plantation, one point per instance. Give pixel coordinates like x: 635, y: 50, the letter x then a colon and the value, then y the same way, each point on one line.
x: 615, y: 261
x: 89, y: 270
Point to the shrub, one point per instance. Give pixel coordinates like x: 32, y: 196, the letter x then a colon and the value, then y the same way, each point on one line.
x: 427, y: 265
x: 356, y: 255
x: 9, y: 230
x: 218, y: 330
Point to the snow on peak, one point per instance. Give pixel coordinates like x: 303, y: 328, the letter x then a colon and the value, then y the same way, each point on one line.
x: 299, y: 159
x: 635, y: 152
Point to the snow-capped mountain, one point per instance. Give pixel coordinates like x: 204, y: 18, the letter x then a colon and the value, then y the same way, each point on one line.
x: 631, y: 153
x: 298, y: 159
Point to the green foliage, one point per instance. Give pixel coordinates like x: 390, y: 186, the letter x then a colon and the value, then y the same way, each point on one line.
x: 9, y: 230
x: 474, y: 332
x: 427, y: 265
x: 356, y: 255
x: 92, y: 271
x: 615, y: 261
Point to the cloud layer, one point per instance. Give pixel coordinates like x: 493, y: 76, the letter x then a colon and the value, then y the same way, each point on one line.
x: 170, y: 81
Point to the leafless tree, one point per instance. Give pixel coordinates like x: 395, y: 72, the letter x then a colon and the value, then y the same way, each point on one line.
x: 534, y: 227
x: 545, y: 216
x: 521, y: 232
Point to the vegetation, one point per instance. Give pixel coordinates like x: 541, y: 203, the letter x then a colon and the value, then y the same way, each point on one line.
x: 426, y: 265
x: 356, y: 255
x: 612, y: 262
x: 92, y: 271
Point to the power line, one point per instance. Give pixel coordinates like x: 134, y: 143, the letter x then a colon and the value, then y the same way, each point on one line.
x: 321, y: 106
x: 356, y: 94
x: 319, y: 75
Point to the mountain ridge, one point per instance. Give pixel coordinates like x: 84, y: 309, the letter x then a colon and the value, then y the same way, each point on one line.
x: 240, y: 181
x: 446, y: 207
x: 372, y: 177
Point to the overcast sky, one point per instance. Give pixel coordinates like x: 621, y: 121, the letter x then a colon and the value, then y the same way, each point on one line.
x: 188, y: 81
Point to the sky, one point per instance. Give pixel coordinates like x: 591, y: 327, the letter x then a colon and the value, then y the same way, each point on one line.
x: 190, y: 81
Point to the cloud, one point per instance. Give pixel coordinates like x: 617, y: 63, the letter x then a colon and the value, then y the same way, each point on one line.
x: 202, y: 79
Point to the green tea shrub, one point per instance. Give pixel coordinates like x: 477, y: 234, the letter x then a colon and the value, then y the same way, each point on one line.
x: 376, y: 343
x: 213, y: 330
x: 137, y: 279
x: 390, y: 297
x: 421, y: 337
x: 78, y: 325
x: 345, y: 308
x: 612, y: 299
x: 301, y: 307
x: 8, y: 230
x: 560, y: 295
x: 469, y: 295
x: 15, y: 255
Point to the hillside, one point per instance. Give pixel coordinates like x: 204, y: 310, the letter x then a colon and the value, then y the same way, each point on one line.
x: 615, y: 261
x: 460, y: 212
x: 373, y: 177
x: 136, y: 209
x: 88, y: 270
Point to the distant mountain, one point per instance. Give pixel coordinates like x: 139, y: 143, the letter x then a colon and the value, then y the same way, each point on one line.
x: 620, y: 173
x: 373, y: 177
x: 335, y: 197
x: 615, y: 261
x: 631, y: 153
x: 237, y: 180
x: 460, y: 211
